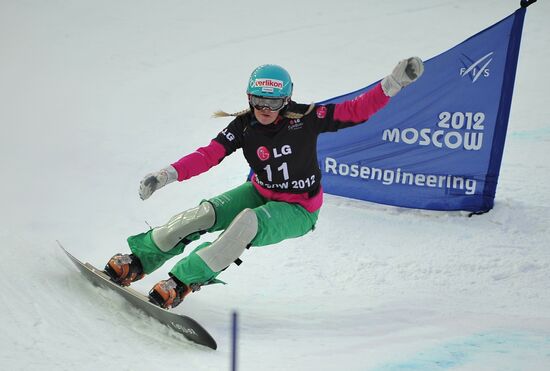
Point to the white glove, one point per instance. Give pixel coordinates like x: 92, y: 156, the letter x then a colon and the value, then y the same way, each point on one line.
x: 406, y: 71
x: 152, y: 182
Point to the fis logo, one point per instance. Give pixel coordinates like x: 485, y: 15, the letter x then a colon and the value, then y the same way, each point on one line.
x: 476, y: 69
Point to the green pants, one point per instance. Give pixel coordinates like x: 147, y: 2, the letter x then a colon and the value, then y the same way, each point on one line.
x: 277, y: 221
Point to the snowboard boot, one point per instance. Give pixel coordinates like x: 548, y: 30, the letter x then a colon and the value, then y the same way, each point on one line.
x: 168, y: 293
x: 124, y: 269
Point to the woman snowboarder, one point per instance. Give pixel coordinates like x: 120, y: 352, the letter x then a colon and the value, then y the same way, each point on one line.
x: 282, y: 199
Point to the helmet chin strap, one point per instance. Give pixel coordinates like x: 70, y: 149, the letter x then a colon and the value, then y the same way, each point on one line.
x: 285, y: 107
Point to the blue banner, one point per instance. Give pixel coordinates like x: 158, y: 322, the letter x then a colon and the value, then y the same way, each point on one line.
x: 438, y: 144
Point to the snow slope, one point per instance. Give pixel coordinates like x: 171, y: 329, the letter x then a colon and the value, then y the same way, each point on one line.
x: 96, y: 94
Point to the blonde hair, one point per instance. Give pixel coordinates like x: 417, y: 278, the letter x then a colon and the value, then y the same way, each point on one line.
x: 287, y: 114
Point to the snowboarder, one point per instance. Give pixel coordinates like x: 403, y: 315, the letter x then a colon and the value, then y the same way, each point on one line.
x: 282, y: 199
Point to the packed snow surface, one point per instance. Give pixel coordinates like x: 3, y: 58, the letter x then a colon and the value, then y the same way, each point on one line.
x: 95, y: 94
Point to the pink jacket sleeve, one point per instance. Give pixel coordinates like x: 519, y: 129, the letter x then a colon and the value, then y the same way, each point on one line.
x: 361, y: 107
x: 199, y: 161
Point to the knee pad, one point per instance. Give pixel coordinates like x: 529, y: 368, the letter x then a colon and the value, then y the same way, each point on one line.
x: 229, y: 246
x: 197, y: 219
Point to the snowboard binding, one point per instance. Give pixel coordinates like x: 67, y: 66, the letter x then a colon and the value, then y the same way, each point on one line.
x: 169, y: 293
x: 124, y: 269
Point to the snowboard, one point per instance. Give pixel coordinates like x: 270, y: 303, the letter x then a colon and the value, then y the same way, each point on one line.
x: 186, y: 326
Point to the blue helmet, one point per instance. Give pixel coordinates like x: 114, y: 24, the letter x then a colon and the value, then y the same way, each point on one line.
x: 271, y: 81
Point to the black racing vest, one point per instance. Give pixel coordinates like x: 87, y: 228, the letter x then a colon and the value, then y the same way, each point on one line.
x: 282, y: 155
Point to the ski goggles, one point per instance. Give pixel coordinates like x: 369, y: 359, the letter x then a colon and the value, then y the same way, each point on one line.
x: 272, y: 104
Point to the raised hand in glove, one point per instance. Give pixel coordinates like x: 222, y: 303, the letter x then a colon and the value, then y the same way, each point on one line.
x: 406, y: 72
x: 152, y: 182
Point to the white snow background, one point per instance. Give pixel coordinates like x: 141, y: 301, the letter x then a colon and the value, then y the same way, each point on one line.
x: 95, y: 94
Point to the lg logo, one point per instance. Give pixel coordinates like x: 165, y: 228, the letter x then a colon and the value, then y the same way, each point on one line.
x: 264, y: 154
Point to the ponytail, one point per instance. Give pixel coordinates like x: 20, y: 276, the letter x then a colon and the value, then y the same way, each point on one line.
x: 221, y: 113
